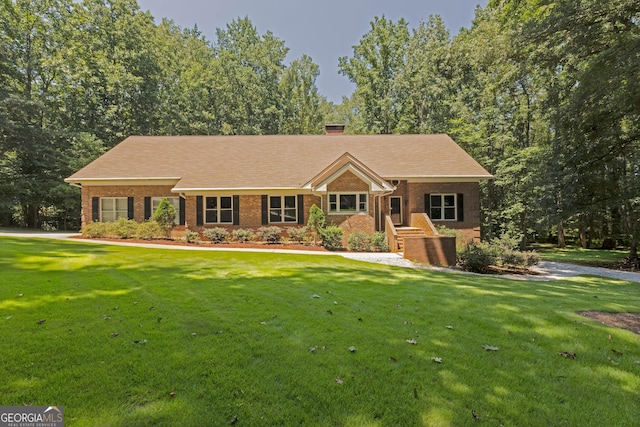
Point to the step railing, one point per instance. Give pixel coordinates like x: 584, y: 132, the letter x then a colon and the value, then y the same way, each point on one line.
x: 423, y: 222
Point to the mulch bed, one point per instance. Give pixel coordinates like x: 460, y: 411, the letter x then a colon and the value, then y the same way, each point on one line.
x: 628, y: 321
x: 494, y: 269
x: 255, y: 245
x: 624, y: 265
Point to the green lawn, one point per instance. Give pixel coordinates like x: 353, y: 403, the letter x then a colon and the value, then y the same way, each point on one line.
x: 230, y: 334
x: 580, y: 256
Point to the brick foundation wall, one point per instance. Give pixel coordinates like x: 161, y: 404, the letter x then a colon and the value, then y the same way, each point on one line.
x: 357, y: 223
x: 434, y: 250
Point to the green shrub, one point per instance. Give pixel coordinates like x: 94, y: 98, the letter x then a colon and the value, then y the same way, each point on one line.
x: 332, y: 237
x: 165, y: 215
x: 216, y: 234
x: 123, y: 228
x: 270, y: 235
x: 477, y: 257
x: 242, y: 235
x: 316, y: 222
x: 379, y: 242
x: 191, y: 236
x: 299, y: 234
x: 94, y: 230
x: 359, y: 242
x: 149, y: 230
x: 518, y: 259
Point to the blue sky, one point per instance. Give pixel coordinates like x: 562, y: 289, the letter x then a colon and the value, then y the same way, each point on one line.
x: 322, y: 29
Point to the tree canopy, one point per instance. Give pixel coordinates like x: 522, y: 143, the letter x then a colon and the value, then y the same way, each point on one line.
x: 544, y: 93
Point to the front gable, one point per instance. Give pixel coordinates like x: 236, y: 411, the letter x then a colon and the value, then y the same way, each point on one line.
x: 348, y: 181
x: 348, y: 174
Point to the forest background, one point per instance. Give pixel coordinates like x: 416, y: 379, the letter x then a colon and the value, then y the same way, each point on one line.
x: 544, y: 94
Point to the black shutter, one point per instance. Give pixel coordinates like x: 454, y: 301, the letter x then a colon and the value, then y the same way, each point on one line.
x: 265, y: 210
x: 183, y: 213
x: 236, y: 210
x: 129, y: 207
x: 301, y: 209
x: 199, y: 212
x: 95, y: 209
x: 147, y: 208
x: 427, y: 204
x: 460, y: 207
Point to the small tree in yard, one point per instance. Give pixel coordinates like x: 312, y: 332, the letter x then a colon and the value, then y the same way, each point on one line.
x: 165, y: 215
x: 316, y: 222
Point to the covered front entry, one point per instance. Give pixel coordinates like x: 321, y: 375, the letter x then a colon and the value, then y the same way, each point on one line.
x: 395, y: 208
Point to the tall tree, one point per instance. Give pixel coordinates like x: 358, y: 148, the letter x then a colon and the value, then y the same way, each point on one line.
x: 423, y: 85
x: 188, y: 84
x: 111, y: 86
x: 301, y: 102
x: 376, y: 60
x: 591, y: 50
x: 250, y: 68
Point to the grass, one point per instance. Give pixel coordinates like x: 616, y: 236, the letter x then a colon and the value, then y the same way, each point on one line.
x: 229, y: 333
x: 580, y: 256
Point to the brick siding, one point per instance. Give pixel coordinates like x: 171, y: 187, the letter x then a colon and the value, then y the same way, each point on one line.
x: 251, y: 205
x: 413, y: 201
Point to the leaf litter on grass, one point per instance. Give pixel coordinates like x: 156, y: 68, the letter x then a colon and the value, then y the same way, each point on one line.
x: 490, y: 347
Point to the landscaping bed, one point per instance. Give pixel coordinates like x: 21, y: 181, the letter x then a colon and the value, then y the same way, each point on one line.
x: 252, y: 245
x: 628, y: 321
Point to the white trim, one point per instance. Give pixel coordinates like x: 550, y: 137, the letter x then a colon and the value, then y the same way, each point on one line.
x: 355, y: 193
x: 218, y: 210
x: 95, y: 182
x: 442, y: 207
x: 282, y: 208
x: 243, y: 191
x: 114, y: 211
x: 444, y: 178
x: 374, y: 187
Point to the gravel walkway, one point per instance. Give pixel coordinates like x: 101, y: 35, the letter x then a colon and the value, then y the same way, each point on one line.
x: 546, y: 270
x: 557, y: 270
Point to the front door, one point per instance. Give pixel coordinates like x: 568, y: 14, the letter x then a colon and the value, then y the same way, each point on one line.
x: 395, y: 208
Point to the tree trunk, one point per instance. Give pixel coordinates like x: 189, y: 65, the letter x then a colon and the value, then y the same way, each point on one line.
x: 582, y: 232
x: 630, y: 220
x: 561, y: 240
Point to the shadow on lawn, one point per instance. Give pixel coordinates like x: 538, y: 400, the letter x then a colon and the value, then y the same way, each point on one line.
x: 269, y: 309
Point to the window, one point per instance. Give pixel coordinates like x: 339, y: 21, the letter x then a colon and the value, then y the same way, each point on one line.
x: 283, y: 209
x: 175, y: 202
x: 218, y: 210
x: 348, y: 202
x: 443, y: 207
x: 112, y: 208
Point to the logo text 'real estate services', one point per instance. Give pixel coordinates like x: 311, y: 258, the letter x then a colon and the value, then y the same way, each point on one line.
x: 31, y: 416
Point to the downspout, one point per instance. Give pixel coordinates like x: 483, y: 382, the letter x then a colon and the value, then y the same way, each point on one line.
x: 379, y: 216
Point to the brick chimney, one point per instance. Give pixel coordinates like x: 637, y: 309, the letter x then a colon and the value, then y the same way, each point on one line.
x: 334, y: 129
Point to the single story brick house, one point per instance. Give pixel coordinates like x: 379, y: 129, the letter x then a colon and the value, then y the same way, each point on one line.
x: 359, y: 181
